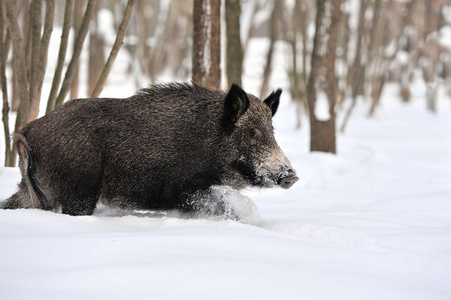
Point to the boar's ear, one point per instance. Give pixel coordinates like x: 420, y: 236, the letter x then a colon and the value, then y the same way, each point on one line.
x: 236, y: 103
x: 273, y: 101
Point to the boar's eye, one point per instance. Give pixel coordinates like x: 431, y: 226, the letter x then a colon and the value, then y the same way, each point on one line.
x: 254, y: 134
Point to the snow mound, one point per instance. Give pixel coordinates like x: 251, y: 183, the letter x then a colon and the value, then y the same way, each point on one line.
x: 222, y: 203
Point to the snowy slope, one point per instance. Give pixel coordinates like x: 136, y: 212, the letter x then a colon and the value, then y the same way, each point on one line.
x: 373, y: 222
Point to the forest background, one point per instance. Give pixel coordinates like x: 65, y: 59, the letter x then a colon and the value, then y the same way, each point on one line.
x: 361, y: 45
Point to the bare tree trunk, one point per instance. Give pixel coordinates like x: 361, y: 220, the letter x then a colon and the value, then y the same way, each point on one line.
x: 15, y: 98
x: 356, y: 74
x: 4, y: 49
x: 305, y: 19
x: 70, y: 72
x: 147, y: 14
x: 23, y: 9
x: 274, y: 29
x: 375, y: 45
x: 293, y: 72
x: 19, y: 66
x: 38, y: 80
x: 411, y: 39
x: 77, y: 19
x: 377, y: 92
x: 36, y: 17
x: 381, y: 66
x: 115, y: 50
x: 322, y: 85
x: 251, y: 27
x: 185, y: 27
x: 159, y: 51
x: 182, y: 29
x: 298, y: 86
x: 19, y: 62
x: 206, y: 43
x: 27, y: 21
x: 68, y: 11
x: 234, y: 49
x: 96, y: 59
x: 431, y: 54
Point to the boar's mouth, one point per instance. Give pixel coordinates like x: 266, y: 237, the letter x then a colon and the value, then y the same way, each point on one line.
x: 284, y: 182
x: 287, y: 182
x: 285, y: 179
x: 246, y: 172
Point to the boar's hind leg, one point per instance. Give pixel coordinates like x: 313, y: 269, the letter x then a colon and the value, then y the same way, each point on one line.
x: 31, y: 193
x: 78, y: 205
x: 18, y: 199
x: 80, y: 191
x: 80, y: 197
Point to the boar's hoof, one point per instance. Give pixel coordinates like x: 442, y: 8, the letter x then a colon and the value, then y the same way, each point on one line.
x: 287, y: 182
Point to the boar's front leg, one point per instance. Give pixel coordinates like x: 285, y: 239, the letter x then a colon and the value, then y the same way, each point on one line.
x: 206, y: 202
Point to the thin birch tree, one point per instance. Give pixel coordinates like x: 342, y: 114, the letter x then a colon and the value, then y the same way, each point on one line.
x: 206, y: 43
x: 234, y: 49
x: 30, y: 46
x: 322, y: 83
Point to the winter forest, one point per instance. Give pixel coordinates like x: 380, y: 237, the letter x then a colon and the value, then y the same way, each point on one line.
x: 364, y: 118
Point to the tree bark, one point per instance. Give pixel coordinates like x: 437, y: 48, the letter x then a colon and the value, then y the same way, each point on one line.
x: 19, y: 63
x: 68, y: 11
x: 298, y: 84
x: 77, y: 19
x: 410, y: 46
x: 274, y: 29
x: 322, y: 75
x: 4, y: 49
x: 160, y: 50
x: 431, y: 54
x: 234, y: 49
x: 97, y: 58
x: 115, y: 50
x: 77, y: 51
x: 38, y: 80
x: 206, y: 43
x: 356, y: 74
x: 36, y: 18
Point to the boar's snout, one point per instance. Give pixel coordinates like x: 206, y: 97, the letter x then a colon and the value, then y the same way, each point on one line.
x: 287, y: 181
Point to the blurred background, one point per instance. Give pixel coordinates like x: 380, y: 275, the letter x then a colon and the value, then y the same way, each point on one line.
x: 56, y: 50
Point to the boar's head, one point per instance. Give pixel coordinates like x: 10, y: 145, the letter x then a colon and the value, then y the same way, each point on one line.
x: 257, y: 158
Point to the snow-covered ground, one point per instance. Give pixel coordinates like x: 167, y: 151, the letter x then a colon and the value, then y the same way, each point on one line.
x: 373, y: 222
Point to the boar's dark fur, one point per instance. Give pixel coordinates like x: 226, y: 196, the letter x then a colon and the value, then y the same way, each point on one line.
x: 151, y: 151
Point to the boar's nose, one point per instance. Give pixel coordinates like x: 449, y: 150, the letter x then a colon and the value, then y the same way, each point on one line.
x: 288, y: 181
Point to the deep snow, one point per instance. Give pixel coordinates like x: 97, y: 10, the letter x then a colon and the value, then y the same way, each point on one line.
x: 373, y: 222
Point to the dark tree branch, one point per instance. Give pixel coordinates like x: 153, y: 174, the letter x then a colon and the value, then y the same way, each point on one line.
x: 234, y: 49
x: 18, y: 62
x: 4, y: 49
x: 36, y: 17
x: 115, y: 50
x: 68, y: 11
x: 42, y: 63
x: 206, y: 43
x: 89, y: 13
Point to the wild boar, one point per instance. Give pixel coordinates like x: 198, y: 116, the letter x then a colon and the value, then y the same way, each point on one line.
x: 151, y: 151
